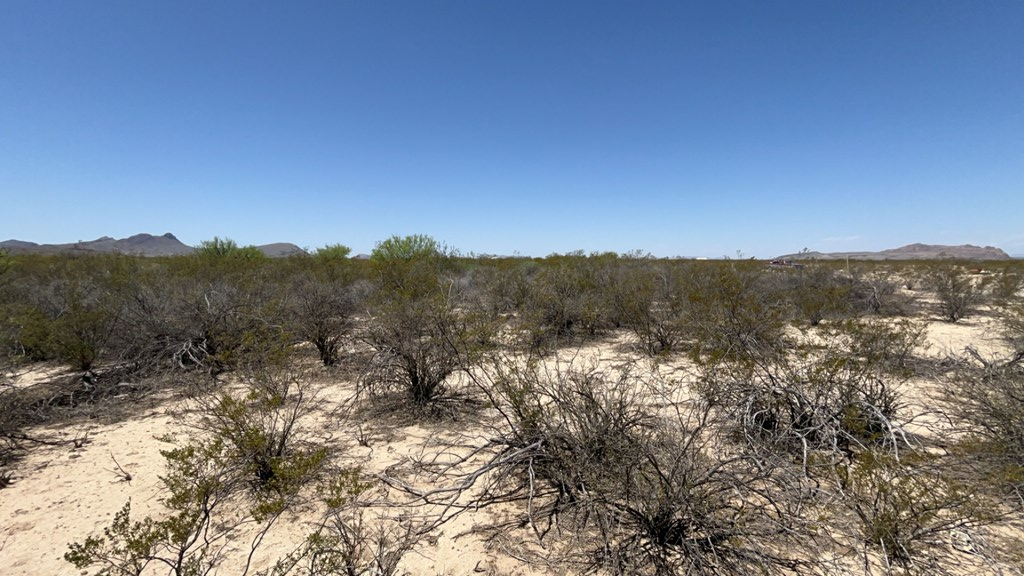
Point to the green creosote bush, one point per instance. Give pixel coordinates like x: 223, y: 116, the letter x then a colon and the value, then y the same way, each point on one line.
x: 139, y: 316
x: 263, y: 426
x: 887, y: 347
x: 650, y: 299
x: 817, y: 293
x: 77, y: 336
x: 248, y: 467
x: 986, y: 396
x: 70, y: 309
x: 29, y: 334
x: 420, y: 329
x: 958, y: 294
x: 202, y: 514
x: 565, y: 301
x: 734, y: 314
x: 903, y: 508
x: 345, y: 542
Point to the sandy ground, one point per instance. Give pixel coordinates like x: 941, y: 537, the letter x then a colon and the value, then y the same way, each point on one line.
x: 60, y: 495
x: 63, y: 494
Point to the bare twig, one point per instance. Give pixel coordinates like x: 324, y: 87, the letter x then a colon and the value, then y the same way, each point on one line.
x: 122, y: 474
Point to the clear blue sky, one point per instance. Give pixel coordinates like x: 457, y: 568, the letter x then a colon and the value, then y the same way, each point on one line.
x: 528, y: 126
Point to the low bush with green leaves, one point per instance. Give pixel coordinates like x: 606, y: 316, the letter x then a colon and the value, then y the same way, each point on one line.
x: 420, y: 328
x: 566, y: 301
x: 734, y: 313
x: 986, y: 397
x: 816, y: 292
x: 905, y: 510
x: 959, y: 295
x: 650, y: 299
x: 246, y: 467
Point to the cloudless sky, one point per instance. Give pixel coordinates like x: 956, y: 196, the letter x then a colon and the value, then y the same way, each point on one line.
x: 678, y: 128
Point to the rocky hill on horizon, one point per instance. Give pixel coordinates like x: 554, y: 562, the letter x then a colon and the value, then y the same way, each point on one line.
x: 139, y: 245
x: 910, y: 252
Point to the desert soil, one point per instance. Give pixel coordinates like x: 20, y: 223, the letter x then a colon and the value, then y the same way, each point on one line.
x: 62, y: 494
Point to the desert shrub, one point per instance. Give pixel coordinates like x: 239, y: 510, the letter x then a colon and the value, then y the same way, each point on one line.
x: 7, y: 331
x: 408, y: 248
x: 649, y: 298
x: 419, y: 329
x: 78, y: 334
x: 6, y: 265
x: 260, y: 427
x: 887, y: 348
x: 10, y: 426
x: 203, y: 511
x: 914, y: 275
x: 411, y: 266
x: 321, y: 309
x: 227, y: 248
x: 140, y: 314
x: 565, y: 302
x: 69, y: 308
x: 501, y: 287
x: 956, y: 291
x: 153, y: 319
x: 346, y: 545
x: 816, y: 292
x: 1004, y: 288
x: 631, y: 489
x: 419, y: 343
x: 733, y: 313
x: 345, y: 542
x: 210, y: 315
x: 876, y: 290
x: 332, y: 252
x: 1014, y: 331
x: 986, y: 396
x: 819, y: 405
x: 244, y: 470
x: 6, y: 366
x: 902, y: 509
x: 28, y: 333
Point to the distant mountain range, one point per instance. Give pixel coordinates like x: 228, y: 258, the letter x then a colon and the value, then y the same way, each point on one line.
x: 169, y: 245
x: 910, y: 252
x: 140, y: 245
